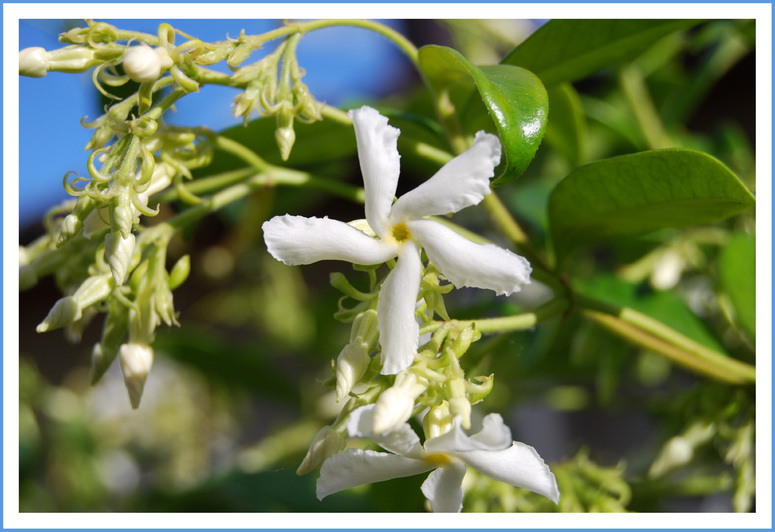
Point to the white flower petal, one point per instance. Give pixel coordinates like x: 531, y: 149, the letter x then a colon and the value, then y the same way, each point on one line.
x: 457, y: 441
x: 380, y: 164
x: 398, y: 330
x: 495, y: 435
x: 519, y: 465
x: 444, y: 488
x: 355, y: 467
x: 462, y: 182
x: 466, y: 263
x: 298, y: 240
x: 402, y: 440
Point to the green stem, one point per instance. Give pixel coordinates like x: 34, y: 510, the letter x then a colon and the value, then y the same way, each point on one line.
x: 549, y: 310
x: 304, y: 27
x: 637, y: 94
x: 652, y: 334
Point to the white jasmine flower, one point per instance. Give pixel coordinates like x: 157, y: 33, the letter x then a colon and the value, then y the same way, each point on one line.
x: 401, y: 229
x: 491, y: 452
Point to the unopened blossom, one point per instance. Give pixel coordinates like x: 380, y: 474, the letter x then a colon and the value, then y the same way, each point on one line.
x: 491, y: 451
x: 401, y: 229
x: 145, y: 64
x: 136, y: 360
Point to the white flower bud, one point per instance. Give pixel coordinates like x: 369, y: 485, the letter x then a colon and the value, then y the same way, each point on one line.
x: 142, y: 64
x: 393, y: 408
x: 64, y: 312
x: 460, y: 406
x: 351, y: 365
x: 118, y: 254
x: 667, y: 271
x: 395, y: 405
x: 33, y: 62
x: 327, y: 442
x: 96, y: 222
x: 136, y: 361
x: 677, y: 452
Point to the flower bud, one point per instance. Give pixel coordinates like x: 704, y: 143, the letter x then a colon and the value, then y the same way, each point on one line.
x: 351, y: 365
x: 676, y: 453
x: 71, y: 226
x: 460, y: 406
x: 136, y: 361
x: 396, y: 404
x: 142, y: 64
x: 327, y: 442
x: 93, y: 290
x: 64, y: 312
x: 118, y: 254
x: 393, y: 407
x: 33, y: 62
x: 179, y: 272
x: 284, y: 134
x: 438, y: 421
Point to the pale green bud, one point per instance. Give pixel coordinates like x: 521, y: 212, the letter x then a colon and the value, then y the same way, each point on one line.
x: 284, y: 134
x: 142, y: 64
x: 438, y: 421
x: 136, y: 361
x: 351, y: 365
x: 677, y: 452
x: 460, y: 406
x: 118, y: 255
x: 64, y: 312
x: 71, y: 226
x: 93, y: 290
x: 179, y: 272
x: 33, y: 62
x: 122, y: 214
x: 396, y: 404
x: 326, y: 443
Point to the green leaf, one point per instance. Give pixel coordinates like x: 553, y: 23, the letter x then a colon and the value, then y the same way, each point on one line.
x: 515, y: 98
x: 737, y: 269
x: 567, y: 129
x: 567, y: 50
x: 666, y: 307
x: 642, y: 192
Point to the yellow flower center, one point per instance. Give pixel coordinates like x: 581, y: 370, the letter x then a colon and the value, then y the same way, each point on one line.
x: 437, y: 459
x: 401, y: 233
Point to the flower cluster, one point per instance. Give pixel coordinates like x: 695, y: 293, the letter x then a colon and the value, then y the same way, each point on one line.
x: 408, y: 378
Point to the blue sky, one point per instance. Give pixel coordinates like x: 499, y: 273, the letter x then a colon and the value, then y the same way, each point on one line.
x: 341, y: 64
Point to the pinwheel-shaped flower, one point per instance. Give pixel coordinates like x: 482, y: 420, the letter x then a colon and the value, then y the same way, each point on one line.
x: 491, y: 452
x: 401, y: 229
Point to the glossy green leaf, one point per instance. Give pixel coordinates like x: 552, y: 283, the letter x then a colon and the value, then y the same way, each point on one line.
x: 567, y: 50
x: 642, y: 192
x: 666, y: 307
x: 566, y: 130
x: 737, y: 270
x: 515, y: 98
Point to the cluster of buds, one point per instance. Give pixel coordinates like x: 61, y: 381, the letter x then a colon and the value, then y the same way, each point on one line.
x: 272, y: 90
x: 133, y: 309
